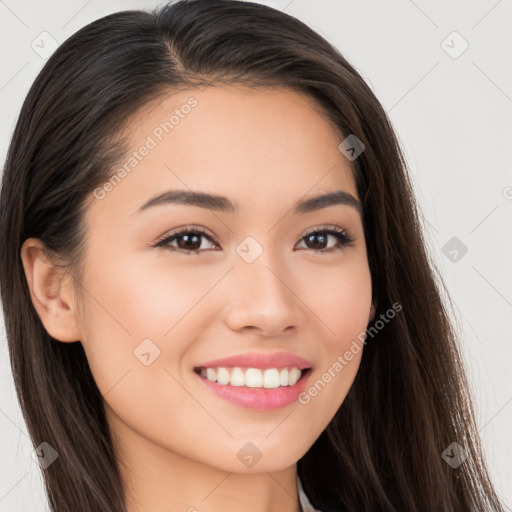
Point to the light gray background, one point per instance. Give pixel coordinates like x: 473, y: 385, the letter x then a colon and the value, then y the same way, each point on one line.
x: 453, y: 118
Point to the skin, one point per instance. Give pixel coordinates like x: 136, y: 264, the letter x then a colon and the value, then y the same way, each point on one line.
x: 177, y: 442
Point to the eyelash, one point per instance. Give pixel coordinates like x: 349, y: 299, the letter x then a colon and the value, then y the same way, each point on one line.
x: 345, y: 239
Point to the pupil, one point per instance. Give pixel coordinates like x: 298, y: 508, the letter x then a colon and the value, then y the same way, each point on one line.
x: 190, y: 240
x: 316, y: 235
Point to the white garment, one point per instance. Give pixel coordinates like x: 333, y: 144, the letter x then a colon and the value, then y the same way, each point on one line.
x: 304, y: 501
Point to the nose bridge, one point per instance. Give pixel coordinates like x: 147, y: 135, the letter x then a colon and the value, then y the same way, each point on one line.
x: 265, y: 276
x: 262, y: 295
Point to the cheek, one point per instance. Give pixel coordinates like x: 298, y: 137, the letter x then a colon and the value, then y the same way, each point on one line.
x: 146, y: 300
x: 130, y: 302
x: 340, y: 299
x: 139, y: 324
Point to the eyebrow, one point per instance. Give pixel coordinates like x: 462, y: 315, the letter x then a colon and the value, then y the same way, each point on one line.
x: 223, y: 204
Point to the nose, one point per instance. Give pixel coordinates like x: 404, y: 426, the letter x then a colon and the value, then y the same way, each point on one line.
x: 262, y: 298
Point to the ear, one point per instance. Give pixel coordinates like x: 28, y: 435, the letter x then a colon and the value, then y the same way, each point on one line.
x: 52, y: 292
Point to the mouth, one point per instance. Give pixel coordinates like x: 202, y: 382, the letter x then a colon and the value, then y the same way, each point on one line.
x: 247, y: 377
x: 255, y: 380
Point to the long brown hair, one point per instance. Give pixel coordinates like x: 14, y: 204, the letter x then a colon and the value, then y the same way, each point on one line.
x: 409, y: 401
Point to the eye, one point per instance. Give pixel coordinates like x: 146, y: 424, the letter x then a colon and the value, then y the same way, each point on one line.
x: 319, y: 237
x: 189, y: 240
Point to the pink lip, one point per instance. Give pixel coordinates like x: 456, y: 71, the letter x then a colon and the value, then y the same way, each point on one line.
x: 259, y: 398
x: 262, y: 361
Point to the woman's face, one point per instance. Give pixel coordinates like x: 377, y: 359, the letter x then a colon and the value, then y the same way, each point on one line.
x: 156, y: 311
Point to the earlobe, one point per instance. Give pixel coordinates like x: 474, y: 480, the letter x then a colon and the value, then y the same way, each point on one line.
x: 51, y: 292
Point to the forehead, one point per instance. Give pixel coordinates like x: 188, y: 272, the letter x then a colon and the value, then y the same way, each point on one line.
x: 255, y: 145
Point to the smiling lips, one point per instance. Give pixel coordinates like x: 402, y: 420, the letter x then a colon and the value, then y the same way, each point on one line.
x: 257, y: 381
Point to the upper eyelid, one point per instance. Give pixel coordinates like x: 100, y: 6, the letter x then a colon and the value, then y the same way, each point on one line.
x: 184, y: 230
x: 203, y: 231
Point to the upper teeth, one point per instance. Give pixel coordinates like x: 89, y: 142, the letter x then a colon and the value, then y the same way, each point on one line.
x: 253, y: 377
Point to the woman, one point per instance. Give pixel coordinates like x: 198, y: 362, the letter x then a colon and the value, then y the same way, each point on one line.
x: 215, y: 286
